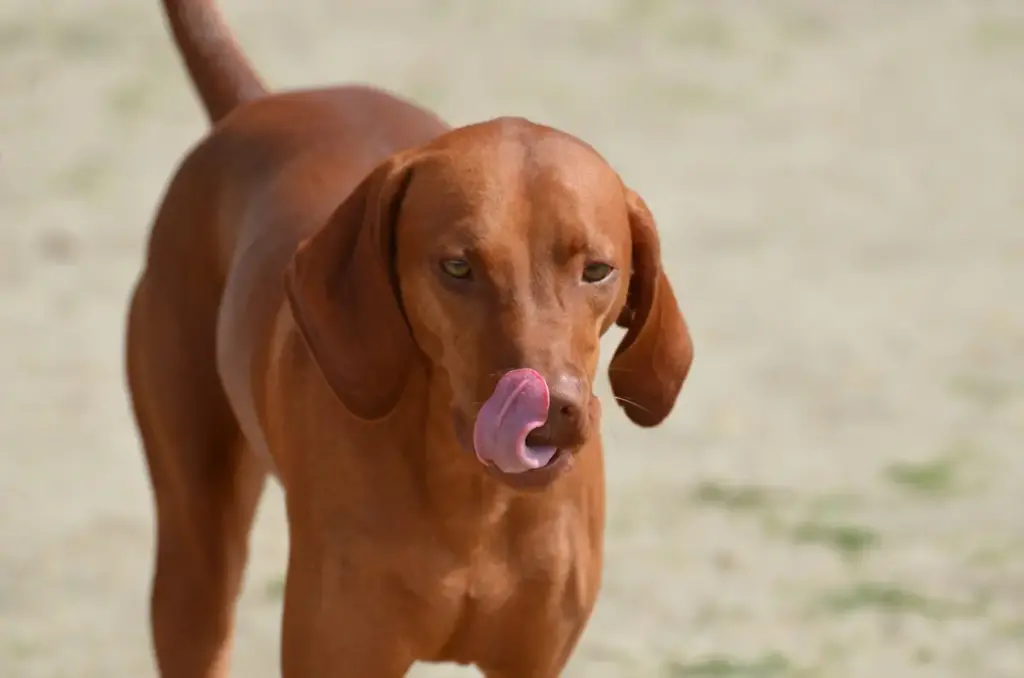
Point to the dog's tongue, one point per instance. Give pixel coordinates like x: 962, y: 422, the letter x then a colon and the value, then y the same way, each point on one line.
x: 518, y: 405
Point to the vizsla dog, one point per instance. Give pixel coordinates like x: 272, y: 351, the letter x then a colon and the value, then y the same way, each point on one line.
x: 400, y: 321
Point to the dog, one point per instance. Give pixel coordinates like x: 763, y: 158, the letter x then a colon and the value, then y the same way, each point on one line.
x: 398, y: 321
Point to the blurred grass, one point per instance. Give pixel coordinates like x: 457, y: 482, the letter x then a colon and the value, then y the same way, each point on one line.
x: 887, y: 597
x: 735, y: 497
x: 850, y: 541
x: 769, y: 666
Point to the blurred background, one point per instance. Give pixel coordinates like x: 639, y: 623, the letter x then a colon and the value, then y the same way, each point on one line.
x: 840, y: 192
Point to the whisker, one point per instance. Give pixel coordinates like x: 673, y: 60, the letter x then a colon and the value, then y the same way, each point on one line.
x: 635, y: 404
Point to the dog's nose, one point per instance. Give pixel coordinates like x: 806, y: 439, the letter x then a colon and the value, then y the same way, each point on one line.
x: 566, y: 399
x: 567, y: 411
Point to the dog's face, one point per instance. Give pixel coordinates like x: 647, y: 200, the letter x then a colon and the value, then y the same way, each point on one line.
x: 501, y: 252
x: 512, y: 259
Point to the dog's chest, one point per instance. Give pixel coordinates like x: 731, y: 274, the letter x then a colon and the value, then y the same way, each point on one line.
x: 520, y: 579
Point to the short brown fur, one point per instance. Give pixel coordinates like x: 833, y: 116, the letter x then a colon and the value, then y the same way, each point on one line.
x: 294, y: 319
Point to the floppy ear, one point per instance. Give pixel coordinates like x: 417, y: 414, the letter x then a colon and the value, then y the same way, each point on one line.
x: 651, y: 362
x: 343, y: 293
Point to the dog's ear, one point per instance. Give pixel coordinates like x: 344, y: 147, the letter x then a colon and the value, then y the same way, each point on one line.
x: 653, y: 359
x: 343, y: 293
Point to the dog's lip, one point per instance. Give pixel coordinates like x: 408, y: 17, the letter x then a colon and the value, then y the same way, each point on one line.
x: 534, y: 478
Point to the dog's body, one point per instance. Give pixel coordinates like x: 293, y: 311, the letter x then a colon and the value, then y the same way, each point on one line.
x: 279, y: 329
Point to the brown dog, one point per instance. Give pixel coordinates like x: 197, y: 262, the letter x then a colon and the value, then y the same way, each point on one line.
x: 400, y: 321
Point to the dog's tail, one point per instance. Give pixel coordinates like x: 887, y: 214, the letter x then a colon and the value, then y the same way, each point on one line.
x: 220, y: 72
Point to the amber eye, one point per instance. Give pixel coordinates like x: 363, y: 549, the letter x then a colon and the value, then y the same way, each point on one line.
x: 456, y: 268
x: 596, y: 271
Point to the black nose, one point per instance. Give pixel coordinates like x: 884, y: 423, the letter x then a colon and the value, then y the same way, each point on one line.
x: 567, y: 413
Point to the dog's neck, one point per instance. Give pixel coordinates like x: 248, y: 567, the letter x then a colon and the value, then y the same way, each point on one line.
x: 454, y: 485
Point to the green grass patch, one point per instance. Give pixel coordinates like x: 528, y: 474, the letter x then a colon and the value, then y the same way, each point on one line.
x: 834, y: 504
x: 938, y: 477
x: 849, y: 540
x: 768, y: 666
x: 885, y: 597
x: 735, y: 497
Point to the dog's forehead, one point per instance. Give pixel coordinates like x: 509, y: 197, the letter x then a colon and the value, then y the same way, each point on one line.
x: 511, y: 165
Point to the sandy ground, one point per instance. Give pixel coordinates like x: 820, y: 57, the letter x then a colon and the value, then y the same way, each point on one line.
x: 841, y: 196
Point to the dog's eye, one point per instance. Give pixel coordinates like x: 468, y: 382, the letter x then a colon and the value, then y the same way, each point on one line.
x: 596, y: 271
x: 456, y: 268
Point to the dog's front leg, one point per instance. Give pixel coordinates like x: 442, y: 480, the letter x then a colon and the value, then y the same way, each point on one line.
x: 340, y: 622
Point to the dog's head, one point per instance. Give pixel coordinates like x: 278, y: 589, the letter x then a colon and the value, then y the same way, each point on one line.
x: 499, y: 253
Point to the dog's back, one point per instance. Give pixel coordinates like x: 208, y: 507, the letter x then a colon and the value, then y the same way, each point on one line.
x: 271, y: 170
x: 212, y: 283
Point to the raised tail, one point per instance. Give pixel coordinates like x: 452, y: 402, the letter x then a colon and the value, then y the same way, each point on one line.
x: 221, y: 73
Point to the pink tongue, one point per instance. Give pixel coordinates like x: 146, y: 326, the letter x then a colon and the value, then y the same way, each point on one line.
x: 518, y: 405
